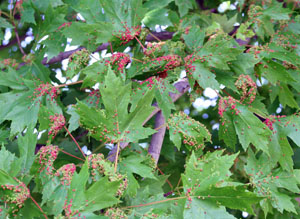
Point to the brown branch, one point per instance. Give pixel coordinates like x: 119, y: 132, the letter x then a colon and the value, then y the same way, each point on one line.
x: 18, y: 39
x: 75, y: 141
x: 39, y: 207
x: 158, y: 137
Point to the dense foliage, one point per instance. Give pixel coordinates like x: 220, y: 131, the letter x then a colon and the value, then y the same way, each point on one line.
x: 165, y: 109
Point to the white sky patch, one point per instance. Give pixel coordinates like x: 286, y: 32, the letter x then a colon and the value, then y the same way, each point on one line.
x: 86, y: 151
x: 43, y: 38
x: 222, y: 86
x: 200, y: 103
x: 182, y: 74
x: 127, y: 50
x: 23, y: 44
x: 80, y: 17
x: 210, y: 93
x: 64, y: 64
x: 94, y: 58
x: 109, y: 146
x: 59, y: 76
x: 41, y: 133
x: 216, y: 126
x: 96, y: 86
x: 263, y: 82
x: 29, y: 39
x: 245, y: 214
x: 7, y: 34
x: 143, y: 145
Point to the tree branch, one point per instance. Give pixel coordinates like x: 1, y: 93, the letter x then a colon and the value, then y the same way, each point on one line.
x: 158, y: 138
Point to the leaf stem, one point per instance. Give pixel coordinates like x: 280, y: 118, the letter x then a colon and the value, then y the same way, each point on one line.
x: 161, y: 172
x: 156, y: 202
x: 71, y: 155
x: 140, y: 43
x: 134, y: 59
x: 74, y: 141
x: 72, y: 83
x: 117, y: 155
x: 155, y: 37
x: 34, y: 201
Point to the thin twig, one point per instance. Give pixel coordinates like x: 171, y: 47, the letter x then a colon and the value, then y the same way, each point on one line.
x: 160, y: 126
x: 34, y: 201
x: 117, y: 155
x: 161, y: 172
x: 177, y: 186
x: 74, y: 141
x: 72, y: 83
x: 18, y: 38
x: 155, y: 37
x: 140, y: 43
x: 111, y: 49
x: 71, y: 155
x: 156, y: 202
x: 134, y: 59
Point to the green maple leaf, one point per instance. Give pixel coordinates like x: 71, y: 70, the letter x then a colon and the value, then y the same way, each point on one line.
x: 9, y: 162
x: 218, y: 51
x: 207, y: 171
x: 269, y: 182
x: 194, y: 38
x: 129, y: 12
x: 191, y: 132
x: 115, y: 123
x: 280, y: 149
x: 203, y: 76
x: 248, y: 128
x: 184, y: 6
x: 274, y: 71
x: 285, y: 95
x: 162, y: 89
x: 205, y: 209
x: 204, y: 177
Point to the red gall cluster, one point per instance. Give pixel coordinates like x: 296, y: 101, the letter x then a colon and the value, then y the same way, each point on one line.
x: 18, y: 195
x: 153, y: 47
x: 66, y: 24
x: 269, y: 123
x: 100, y: 167
x: 67, y: 209
x: 188, y: 63
x: 79, y: 59
x: 225, y: 103
x: 94, y: 94
x: 57, y: 122
x: 129, y: 34
x: 45, y: 89
x: 10, y: 62
x: 248, y: 87
x: 190, y: 130
x: 47, y: 155
x: 173, y: 61
x: 187, y: 30
x: 169, y: 62
x: 115, y: 213
x: 119, y: 59
x: 66, y: 173
x: 148, y: 81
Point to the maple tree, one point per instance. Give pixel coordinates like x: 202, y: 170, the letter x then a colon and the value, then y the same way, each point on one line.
x: 118, y: 132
